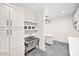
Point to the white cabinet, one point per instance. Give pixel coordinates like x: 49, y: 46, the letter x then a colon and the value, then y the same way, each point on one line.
x: 73, y: 46
x: 4, y: 42
x: 4, y: 30
x: 16, y: 18
x: 16, y: 38
x: 10, y: 17
x: 11, y: 31
x: 17, y: 42
x: 19, y: 51
x: 4, y: 16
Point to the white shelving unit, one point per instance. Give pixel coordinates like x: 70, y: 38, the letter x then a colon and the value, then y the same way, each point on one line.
x: 30, y: 26
x: 30, y: 30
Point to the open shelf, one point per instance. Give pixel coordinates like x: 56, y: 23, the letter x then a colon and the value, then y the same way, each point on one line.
x: 31, y: 30
x: 29, y: 21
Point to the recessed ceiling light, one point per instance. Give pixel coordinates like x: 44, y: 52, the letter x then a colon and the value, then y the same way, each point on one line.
x: 63, y: 12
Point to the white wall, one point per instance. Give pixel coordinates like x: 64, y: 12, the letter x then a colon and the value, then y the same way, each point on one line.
x: 40, y: 32
x: 29, y: 15
x: 61, y: 28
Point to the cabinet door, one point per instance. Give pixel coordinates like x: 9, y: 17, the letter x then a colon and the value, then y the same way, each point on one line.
x: 4, y: 16
x: 17, y: 42
x: 16, y: 18
x: 19, y: 51
x: 4, y: 43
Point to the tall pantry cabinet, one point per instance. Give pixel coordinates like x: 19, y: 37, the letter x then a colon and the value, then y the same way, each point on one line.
x: 11, y: 31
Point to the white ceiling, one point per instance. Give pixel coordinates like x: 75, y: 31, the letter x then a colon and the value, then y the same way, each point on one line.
x: 54, y: 9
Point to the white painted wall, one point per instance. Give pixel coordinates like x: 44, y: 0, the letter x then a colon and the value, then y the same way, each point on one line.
x: 40, y: 32
x: 29, y: 15
x: 61, y: 28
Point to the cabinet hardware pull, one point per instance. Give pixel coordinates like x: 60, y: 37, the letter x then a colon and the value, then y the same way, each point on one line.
x: 7, y: 23
x: 11, y: 32
x: 11, y: 23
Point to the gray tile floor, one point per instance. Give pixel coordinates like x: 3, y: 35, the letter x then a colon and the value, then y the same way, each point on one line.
x: 57, y: 49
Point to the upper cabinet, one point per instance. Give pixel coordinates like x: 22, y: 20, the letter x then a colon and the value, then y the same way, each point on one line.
x: 76, y: 20
x: 16, y: 18
x: 4, y: 16
x: 11, y: 17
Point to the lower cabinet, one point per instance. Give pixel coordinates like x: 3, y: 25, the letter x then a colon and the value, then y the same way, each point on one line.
x: 11, y: 42
x: 19, y: 51
x: 4, y: 42
x: 17, y: 42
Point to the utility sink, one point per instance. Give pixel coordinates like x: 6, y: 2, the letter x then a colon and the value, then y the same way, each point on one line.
x: 48, y: 39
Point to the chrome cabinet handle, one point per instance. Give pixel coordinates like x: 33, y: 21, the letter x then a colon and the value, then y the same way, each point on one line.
x: 10, y: 32
x: 11, y: 23
x: 7, y: 23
